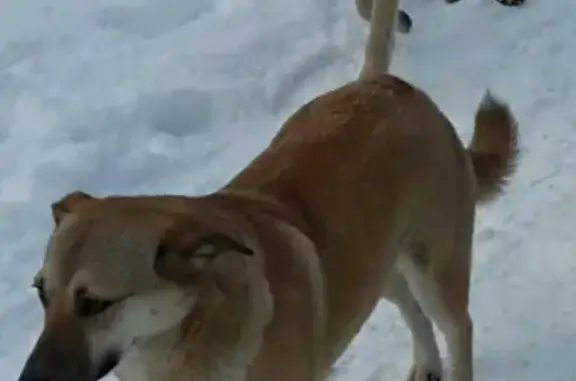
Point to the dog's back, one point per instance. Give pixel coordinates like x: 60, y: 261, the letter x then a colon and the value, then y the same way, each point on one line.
x: 381, y: 145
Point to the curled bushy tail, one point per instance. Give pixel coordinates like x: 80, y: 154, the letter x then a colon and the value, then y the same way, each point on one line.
x: 494, y: 147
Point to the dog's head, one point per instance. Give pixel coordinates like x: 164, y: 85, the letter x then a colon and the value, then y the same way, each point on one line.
x: 117, y: 272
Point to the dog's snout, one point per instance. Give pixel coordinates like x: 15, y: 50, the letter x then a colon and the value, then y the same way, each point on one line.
x: 36, y: 369
x: 41, y: 367
x: 58, y: 357
x: 34, y: 378
x: 29, y: 376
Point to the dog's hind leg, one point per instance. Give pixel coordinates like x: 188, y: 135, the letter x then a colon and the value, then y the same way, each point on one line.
x: 427, y: 365
x: 441, y: 288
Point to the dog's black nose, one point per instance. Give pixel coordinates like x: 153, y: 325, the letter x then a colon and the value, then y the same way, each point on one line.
x: 29, y: 376
x: 32, y: 372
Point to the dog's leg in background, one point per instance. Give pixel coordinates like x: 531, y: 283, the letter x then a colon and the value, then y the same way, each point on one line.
x: 404, y: 25
x: 380, y: 44
x: 427, y: 365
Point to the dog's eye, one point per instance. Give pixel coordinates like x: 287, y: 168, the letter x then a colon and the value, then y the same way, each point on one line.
x: 41, y: 291
x: 87, y: 306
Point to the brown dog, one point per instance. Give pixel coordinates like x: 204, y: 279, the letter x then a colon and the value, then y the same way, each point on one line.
x: 365, y: 192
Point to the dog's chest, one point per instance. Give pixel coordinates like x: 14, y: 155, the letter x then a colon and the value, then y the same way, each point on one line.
x: 144, y: 365
x: 155, y: 360
x: 163, y: 362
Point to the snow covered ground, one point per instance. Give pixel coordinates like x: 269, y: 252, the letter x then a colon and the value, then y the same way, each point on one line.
x: 146, y: 96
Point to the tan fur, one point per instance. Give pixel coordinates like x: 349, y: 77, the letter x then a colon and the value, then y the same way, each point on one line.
x: 365, y: 192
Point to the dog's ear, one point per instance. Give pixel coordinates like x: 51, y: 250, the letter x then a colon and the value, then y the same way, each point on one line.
x: 67, y: 204
x: 182, y: 254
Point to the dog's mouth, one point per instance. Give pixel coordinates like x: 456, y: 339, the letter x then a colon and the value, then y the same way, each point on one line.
x: 107, y: 365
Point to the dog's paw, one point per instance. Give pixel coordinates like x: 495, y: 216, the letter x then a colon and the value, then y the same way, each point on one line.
x: 423, y: 374
x: 511, y: 3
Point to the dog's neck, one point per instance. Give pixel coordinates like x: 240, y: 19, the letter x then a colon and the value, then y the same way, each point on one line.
x: 216, y: 341
x: 250, y: 202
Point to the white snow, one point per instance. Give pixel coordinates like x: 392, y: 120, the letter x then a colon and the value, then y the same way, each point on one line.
x: 148, y: 96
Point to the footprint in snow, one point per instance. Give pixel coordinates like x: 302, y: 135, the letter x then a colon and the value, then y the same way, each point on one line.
x: 15, y: 52
x: 179, y: 113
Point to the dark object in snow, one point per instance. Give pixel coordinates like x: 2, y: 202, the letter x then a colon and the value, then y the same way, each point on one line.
x: 404, y: 22
x: 508, y: 3
x: 511, y: 3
